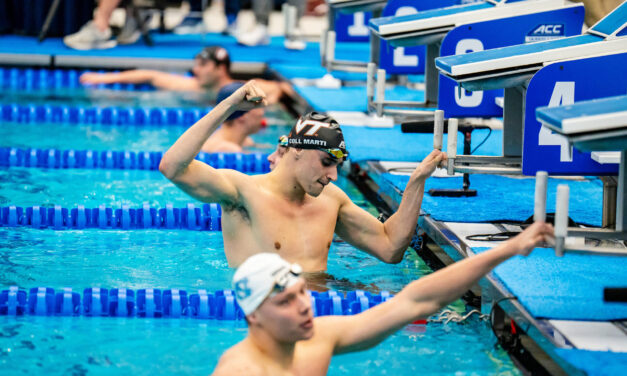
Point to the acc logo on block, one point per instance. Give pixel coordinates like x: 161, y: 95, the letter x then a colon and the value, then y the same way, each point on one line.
x: 545, y: 32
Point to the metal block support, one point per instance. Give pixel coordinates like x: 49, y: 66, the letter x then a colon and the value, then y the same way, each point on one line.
x: 513, y: 121
x: 432, y: 75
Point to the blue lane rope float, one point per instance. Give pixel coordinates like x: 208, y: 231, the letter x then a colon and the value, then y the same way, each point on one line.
x: 125, y: 160
x: 157, y: 303
x: 206, y: 217
x: 114, y: 116
x: 29, y: 79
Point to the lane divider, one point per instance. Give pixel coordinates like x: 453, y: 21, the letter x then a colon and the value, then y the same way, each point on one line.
x: 30, y: 79
x: 158, y: 303
x: 206, y: 217
x: 125, y: 160
x: 114, y: 116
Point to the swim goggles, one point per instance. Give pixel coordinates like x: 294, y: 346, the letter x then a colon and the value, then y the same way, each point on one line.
x: 283, y: 141
x: 337, y: 153
x: 285, y: 279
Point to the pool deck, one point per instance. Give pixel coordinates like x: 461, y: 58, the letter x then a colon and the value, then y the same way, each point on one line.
x: 556, y: 300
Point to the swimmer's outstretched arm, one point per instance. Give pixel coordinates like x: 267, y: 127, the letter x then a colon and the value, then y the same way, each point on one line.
x: 388, y: 241
x: 161, y: 80
x: 197, y: 178
x: 425, y: 296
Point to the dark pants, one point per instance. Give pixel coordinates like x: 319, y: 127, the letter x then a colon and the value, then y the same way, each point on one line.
x: 28, y: 16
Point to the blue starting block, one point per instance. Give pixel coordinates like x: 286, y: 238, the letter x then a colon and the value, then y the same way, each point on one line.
x: 535, y: 75
x: 454, y: 30
x: 594, y: 126
x: 348, y: 22
x: 407, y: 60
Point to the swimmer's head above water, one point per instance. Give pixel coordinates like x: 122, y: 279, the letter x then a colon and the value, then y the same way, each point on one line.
x: 272, y: 293
x: 315, y: 148
x: 278, y: 153
x: 210, y: 64
x: 318, y: 132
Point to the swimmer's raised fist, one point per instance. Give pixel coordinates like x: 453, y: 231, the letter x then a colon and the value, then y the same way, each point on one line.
x: 427, y: 166
x: 247, y: 97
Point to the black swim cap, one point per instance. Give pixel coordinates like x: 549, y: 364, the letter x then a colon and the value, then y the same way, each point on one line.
x: 225, y: 92
x: 318, y: 131
x: 216, y: 54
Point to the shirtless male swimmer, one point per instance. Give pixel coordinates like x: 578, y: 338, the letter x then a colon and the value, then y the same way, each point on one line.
x: 284, y: 338
x: 292, y: 210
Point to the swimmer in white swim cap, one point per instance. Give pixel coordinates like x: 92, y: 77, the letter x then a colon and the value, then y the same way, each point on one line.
x: 285, y: 339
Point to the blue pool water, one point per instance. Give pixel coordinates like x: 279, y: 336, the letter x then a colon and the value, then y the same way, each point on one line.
x: 102, y: 97
x: 102, y: 137
x: 192, y: 260
x: 176, y: 259
x: 55, y: 346
x: 69, y: 188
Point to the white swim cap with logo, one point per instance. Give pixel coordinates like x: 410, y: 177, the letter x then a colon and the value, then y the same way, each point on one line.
x: 261, y: 276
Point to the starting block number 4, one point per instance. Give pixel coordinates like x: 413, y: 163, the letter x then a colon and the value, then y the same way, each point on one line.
x: 563, y: 94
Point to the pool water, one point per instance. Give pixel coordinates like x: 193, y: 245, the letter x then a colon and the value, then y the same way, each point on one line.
x: 69, y: 188
x: 192, y: 260
x: 176, y: 259
x: 103, y: 137
x: 88, y: 96
x: 55, y: 346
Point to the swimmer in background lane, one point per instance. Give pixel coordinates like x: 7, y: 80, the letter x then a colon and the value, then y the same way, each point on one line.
x: 293, y: 210
x: 211, y: 72
x: 285, y: 339
x: 278, y: 153
x: 234, y: 133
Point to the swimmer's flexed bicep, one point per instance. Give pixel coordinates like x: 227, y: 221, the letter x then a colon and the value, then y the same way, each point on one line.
x: 362, y: 230
x: 209, y: 184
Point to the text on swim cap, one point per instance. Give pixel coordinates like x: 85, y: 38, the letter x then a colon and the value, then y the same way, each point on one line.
x: 307, y: 141
x: 315, y: 125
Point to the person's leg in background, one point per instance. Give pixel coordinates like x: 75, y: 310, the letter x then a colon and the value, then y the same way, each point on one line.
x: 95, y: 34
x: 192, y: 23
x: 258, y: 35
x: 231, y: 10
x: 294, y: 41
x: 597, y: 9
